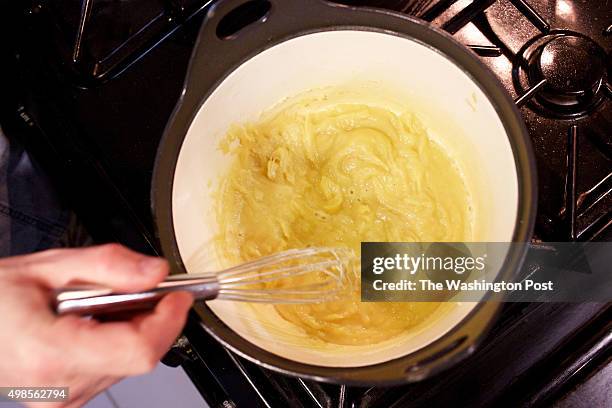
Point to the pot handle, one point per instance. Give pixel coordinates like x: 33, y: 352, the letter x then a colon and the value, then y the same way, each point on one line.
x: 222, y: 8
x: 213, y: 57
x: 292, y: 10
x: 454, y: 347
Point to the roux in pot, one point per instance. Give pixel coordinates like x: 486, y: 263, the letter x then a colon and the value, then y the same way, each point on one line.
x: 319, y: 170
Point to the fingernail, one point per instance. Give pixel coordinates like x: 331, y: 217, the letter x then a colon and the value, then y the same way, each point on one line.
x: 151, y: 265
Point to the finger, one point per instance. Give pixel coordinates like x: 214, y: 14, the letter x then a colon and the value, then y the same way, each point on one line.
x: 134, y: 346
x: 164, y: 325
x: 110, y: 265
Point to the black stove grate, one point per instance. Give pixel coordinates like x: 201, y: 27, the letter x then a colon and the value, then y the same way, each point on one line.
x: 580, y: 109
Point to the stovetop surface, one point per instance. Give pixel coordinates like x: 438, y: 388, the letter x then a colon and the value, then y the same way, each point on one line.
x: 92, y: 84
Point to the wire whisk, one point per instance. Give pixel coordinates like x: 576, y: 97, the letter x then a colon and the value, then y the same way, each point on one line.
x: 309, y: 275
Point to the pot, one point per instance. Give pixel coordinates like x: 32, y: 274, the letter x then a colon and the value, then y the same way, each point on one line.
x: 292, y: 48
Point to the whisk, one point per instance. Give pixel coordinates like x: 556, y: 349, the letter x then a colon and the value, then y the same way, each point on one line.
x: 310, y: 275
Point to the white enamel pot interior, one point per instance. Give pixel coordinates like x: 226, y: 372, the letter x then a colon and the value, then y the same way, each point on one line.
x: 293, y: 49
x: 454, y: 109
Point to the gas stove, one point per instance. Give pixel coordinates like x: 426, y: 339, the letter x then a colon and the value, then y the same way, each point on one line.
x: 89, y: 87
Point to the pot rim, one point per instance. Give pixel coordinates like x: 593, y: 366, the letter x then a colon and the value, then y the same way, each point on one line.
x: 462, y: 339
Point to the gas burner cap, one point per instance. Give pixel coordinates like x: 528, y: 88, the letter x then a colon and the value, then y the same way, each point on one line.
x: 574, y: 67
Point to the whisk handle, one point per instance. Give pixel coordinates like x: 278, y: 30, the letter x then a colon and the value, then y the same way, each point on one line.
x: 93, y: 300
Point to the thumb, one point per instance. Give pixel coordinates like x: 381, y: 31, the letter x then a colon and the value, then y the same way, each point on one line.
x: 110, y: 265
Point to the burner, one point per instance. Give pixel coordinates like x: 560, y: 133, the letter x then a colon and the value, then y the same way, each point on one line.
x: 573, y: 68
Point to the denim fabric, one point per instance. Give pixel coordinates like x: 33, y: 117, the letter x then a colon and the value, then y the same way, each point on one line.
x: 32, y: 217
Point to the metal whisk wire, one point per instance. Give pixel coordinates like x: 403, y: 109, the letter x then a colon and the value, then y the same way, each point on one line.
x: 279, y: 278
x: 244, y: 282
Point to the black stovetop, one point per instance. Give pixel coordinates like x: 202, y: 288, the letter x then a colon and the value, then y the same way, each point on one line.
x: 89, y: 85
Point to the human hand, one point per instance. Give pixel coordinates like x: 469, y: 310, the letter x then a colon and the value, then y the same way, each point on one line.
x: 41, y: 349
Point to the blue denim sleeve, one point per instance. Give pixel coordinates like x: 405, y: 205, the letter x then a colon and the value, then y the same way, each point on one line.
x: 32, y: 217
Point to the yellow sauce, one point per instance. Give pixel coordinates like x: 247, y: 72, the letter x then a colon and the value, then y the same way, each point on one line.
x: 315, y: 172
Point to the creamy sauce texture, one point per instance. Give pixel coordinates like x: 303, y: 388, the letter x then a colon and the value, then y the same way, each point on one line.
x: 319, y: 170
